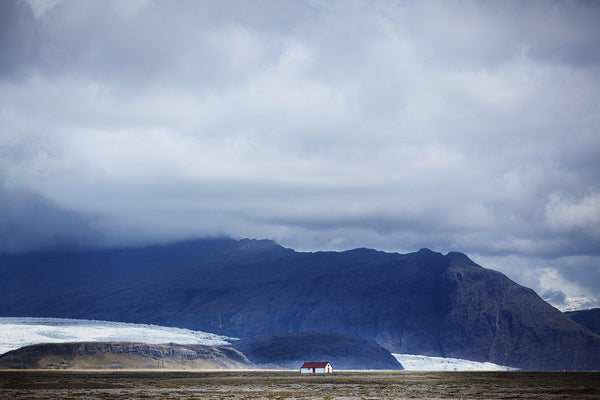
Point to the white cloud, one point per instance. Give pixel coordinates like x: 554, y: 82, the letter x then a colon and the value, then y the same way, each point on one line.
x: 455, y: 126
x: 41, y: 7
x: 575, y: 277
x: 569, y: 214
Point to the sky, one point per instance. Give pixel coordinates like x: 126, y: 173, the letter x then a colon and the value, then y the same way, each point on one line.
x: 469, y: 126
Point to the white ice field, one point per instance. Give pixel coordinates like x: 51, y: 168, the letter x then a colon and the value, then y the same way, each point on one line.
x: 19, y: 332
x: 412, y: 362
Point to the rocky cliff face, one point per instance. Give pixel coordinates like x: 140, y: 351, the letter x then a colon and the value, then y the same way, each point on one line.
x: 492, y: 318
x: 419, y: 303
x: 118, y: 355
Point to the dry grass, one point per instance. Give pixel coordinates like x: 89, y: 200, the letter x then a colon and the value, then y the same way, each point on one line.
x: 260, y: 384
x: 118, y: 361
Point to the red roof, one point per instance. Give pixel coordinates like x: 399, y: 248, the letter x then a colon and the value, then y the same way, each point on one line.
x: 315, y: 364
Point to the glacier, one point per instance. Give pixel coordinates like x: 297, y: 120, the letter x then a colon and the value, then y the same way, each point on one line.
x: 16, y: 332
x: 25, y: 331
x: 414, y: 362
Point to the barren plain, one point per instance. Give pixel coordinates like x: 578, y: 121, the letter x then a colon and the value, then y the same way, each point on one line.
x: 230, y: 384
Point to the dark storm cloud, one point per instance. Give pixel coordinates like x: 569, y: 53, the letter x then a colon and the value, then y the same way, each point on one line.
x: 30, y: 222
x: 17, y: 38
x: 465, y: 125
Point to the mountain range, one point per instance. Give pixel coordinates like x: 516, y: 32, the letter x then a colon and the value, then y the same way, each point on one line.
x: 419, y: 303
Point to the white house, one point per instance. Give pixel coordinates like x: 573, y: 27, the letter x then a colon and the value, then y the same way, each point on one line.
x: 316, y: 368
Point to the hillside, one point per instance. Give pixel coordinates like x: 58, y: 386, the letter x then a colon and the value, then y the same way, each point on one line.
x: 289, y: 351
x: 588, y: 318
x: 122, y: 355
x: 418, y: 303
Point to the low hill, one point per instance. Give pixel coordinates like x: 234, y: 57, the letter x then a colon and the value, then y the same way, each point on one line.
x: 588, y: 318
x: 122, y: 355
x: 289, y: 351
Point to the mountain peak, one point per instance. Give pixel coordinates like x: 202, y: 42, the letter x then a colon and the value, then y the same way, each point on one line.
x: 418, y: 303
x: 457, y: 258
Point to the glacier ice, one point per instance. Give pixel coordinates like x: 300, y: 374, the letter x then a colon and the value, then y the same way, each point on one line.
x: 19, y: 332
x: 16, y: 332
x: 413, y: 362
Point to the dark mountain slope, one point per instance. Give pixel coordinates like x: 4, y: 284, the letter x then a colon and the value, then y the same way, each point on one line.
x: 290, y: 350
x: 588, y: 318
x: 419, y: 303
x: 490, y: 311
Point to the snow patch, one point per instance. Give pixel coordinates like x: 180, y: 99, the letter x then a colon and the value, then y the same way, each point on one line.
x: 576, y: 303
x: 19, y: 332
x: 412, y: 362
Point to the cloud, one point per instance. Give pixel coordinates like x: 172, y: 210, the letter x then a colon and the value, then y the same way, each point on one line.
x: 41, y: 7
x: 582, y: 215
x: 457, y: 126
x: 29, y: 222
x: 554, y: 296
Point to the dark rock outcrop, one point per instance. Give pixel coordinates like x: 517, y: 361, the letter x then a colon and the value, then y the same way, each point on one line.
x: 588, y: 318
x: 85, y: 355
x: 290, y: 350
x: 418, y: 303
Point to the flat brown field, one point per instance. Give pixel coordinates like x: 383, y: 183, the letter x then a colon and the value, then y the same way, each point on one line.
x: 228, y: 384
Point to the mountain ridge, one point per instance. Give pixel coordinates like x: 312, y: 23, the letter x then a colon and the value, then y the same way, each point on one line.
x: 416, y: 303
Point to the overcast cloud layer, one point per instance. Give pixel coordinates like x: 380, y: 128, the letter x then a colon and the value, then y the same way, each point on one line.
x: 469, y: 126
